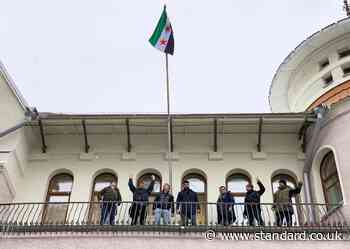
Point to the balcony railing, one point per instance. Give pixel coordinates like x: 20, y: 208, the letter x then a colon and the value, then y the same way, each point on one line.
x: 108, y: 216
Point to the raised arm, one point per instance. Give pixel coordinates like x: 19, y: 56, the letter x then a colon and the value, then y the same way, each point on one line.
x: 296, y: 191
x: 151, y: 186
x: 261, y: 187
x: 131, y: 185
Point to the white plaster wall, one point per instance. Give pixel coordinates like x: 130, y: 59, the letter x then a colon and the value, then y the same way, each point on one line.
x: 10, y: 110
x: 64, y: 151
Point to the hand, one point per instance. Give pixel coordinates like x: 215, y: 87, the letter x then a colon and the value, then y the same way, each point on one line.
x: 130, y: 176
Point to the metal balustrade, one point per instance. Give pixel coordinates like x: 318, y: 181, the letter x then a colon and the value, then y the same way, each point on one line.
x: 140, y: 216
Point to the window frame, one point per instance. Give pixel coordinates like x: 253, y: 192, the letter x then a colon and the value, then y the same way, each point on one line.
x: 328, y: 177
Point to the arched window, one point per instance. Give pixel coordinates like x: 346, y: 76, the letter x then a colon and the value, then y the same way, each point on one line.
x: 59, y: 191
x: 330, y: 179
x: 198, y: 184
x: 236, y: 183
x: 100, y: 182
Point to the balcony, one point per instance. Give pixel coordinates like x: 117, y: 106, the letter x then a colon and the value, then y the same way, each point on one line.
x: 86, y: 217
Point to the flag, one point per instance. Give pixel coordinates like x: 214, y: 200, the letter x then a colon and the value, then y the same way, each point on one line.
x: 163, y: 37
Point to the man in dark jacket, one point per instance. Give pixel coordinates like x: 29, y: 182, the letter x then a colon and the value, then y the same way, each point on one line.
x: 282, y: 200
x: 110, y: 197
x: 164, y: 205
x: 140, y: 199
x: 252, y: 209
x: 225, y: 207
x: 187, y: 205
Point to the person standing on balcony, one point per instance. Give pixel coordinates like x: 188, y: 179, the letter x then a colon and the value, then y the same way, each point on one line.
x: 164, y: 205
x: 252, y: 209
x: 282, y: 200
x: 110, y: 197
x: 138, y: 208
x: 225, y: 207
x: 187, y: 204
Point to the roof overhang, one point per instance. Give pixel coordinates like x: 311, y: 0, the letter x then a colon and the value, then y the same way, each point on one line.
x: 11, y: 84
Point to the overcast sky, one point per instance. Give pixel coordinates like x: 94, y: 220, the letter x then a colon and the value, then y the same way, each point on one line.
x: 89, y: 56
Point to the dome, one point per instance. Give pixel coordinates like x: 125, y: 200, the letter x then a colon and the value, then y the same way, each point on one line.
x: 317, y: 71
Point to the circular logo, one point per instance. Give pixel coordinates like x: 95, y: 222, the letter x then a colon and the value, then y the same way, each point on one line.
x: 210, y: 235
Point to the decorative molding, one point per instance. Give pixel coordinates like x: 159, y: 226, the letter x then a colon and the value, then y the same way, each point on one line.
x: 259, y: 155
x: 87, y: 156
x: 301, y: 156
x: 215, y: 156
x: 39, y: 157
x: 4, y: 172
x: 128, y: 156
x: 172, y: 156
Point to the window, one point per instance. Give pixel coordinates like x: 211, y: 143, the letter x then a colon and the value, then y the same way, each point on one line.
x: 324, y: 63
x: 100, y: 182
x: 59, y: 191
x: 344, y: 52
x: 346, y: 69
x: 330, y: 179
x: 327, y: 79
x: 236, y: 183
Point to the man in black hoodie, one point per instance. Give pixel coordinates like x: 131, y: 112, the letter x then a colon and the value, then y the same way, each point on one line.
x: 187, y: 205
x: 252, y: 209
x: 140, y: 199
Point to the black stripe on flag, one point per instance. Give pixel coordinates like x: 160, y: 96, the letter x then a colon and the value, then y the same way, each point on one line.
x: 170, y: 45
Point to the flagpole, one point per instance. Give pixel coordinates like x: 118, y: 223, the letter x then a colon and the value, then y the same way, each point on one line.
x: 170, y: 168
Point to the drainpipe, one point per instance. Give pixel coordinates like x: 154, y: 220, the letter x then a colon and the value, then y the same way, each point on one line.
x: 320, y: 112
x: 29, y: 116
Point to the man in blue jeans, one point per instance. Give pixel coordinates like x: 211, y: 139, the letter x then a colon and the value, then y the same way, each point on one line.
x: 164, y: 205
x: 110, y: 197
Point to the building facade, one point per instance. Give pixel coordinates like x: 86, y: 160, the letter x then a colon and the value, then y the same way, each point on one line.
x: 52, y: 166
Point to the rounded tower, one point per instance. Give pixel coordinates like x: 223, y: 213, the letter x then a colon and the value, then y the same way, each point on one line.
x: 316, y: 72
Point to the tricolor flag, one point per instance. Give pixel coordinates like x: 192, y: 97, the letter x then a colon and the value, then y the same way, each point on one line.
x: 163, y: 37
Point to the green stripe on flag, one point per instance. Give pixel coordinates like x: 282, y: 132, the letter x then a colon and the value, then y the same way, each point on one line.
x: 159, y: 29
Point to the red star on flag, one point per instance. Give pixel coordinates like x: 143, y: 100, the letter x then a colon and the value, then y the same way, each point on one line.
x: 163, y: 42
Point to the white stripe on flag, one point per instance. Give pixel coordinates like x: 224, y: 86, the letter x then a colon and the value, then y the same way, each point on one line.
x: 164, y: 36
